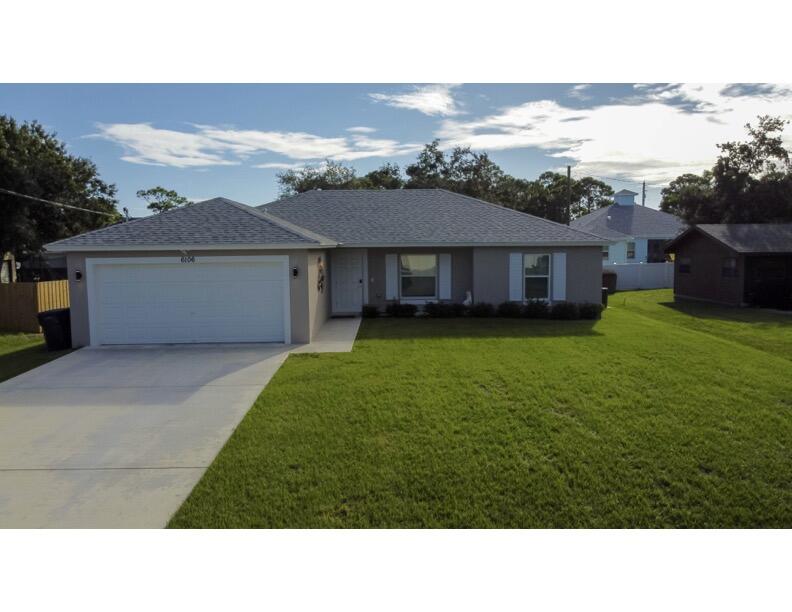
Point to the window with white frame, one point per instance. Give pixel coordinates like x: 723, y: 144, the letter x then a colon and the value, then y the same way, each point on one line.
x: 418, y: 274
x: 630, y: 250
x: 605, y: 252
x: 537, y: 277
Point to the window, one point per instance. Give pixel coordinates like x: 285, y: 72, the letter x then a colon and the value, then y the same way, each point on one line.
x: 729, y: 267
x: 418, y: 276
x: 684, y: 265
x: 605, y: 252
x: 537, y: 277
x: 630, y: 250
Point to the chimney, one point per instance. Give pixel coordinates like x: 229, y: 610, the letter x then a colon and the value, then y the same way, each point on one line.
x: 625, y: 197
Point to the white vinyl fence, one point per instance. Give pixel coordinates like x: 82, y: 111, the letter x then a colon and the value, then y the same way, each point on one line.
x: 642, y: 275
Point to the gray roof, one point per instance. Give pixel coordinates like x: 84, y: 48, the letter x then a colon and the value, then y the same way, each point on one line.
x: 217, y: 222
x: 619, y: 222
x: 418, y: 216
x: 749, y: 237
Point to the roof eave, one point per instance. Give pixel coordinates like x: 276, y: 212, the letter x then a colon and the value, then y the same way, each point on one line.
x: 529, y: 243
x: 290, y: 246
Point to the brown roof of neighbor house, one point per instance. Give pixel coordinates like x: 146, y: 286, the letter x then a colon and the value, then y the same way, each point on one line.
x: 745, y: 237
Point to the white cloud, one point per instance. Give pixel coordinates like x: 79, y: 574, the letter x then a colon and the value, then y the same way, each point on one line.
x: 660, y: 133
x: 428, y: 99
x: 221, y: 146
x: 579, y: 91
x: 279, y: 166
x: 146, y: 144
x: 361, y: 129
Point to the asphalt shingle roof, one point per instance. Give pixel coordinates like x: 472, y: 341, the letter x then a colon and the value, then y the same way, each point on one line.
x: 618, y: 222
x: 213, y: 222
x: 752, y: 237
x: 417, y: 216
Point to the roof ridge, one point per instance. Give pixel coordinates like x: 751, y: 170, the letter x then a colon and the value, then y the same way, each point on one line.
x: 290, y: 227
x: 138, y: 219
x: 519, y: 212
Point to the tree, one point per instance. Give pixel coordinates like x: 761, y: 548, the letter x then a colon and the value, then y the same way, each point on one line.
x: 751, y: 182
x: 462, y: 171
x: 35, y: 163
x: 160, y: 199
x: 689, y: 197
x: 387, y: 176
x: 590, y: 194
x: 331, y: 175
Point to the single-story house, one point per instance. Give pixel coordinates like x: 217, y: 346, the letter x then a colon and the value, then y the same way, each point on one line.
x: 638, y: 233
x: 221, y: 271
x: 735, y: 264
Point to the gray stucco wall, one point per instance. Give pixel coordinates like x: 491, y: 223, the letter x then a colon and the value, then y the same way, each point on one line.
x: 461, y: 271
x: 583, y: 273
x: 304, y: 320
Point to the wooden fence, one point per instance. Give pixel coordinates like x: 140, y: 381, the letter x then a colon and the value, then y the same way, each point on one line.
x: 21, y: 302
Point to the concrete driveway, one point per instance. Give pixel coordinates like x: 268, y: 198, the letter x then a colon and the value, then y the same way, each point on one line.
x: 118, y: 437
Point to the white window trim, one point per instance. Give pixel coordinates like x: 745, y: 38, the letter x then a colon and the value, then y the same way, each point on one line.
x: 548, y: 276
x: 92, y: 262
x: 422, y: 299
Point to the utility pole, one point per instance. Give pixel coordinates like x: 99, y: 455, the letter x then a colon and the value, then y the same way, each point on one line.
x: 569, y: 195
x: 643, y: 194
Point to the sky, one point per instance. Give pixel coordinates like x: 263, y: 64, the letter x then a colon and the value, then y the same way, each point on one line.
x: 232, y: 140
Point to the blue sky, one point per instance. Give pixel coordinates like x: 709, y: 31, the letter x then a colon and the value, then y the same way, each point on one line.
x: 231, y: 140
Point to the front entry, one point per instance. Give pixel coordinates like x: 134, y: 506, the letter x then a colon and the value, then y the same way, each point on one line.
x: 347, y: 274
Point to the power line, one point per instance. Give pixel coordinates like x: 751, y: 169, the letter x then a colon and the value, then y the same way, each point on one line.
x: 88, y: 210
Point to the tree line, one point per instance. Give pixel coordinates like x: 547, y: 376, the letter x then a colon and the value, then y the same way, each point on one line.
x: 461, y: 170
x: 751, y: 182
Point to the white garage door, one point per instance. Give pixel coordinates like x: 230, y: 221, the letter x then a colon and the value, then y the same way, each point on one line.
x: 188, y: 300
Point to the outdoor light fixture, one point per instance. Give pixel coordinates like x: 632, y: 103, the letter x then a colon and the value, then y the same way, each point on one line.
x: 78, y: 275
x: 295, y: 272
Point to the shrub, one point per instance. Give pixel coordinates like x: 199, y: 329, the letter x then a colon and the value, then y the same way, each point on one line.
x: 395, y: 309
x: 564, y: 311
x: 370, y: 311
x: 460, y: 310
x: 441, y: 310
x: 481, y: 309
x: 509, y: 309
x: 590, y: 311
x: 535, y: 309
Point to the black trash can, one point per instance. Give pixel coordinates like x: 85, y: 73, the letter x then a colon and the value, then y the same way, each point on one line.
x: 57, y: 328
x: 605, y: 297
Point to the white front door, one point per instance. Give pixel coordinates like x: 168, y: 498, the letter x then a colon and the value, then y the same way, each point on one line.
x: 347, y: 281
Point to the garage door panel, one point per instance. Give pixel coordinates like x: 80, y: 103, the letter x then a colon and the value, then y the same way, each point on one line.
x: 151, y: 303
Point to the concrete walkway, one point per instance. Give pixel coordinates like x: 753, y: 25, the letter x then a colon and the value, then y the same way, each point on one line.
x: 118, y: 437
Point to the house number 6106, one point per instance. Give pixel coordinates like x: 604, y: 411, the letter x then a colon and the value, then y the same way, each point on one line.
x: 188, y: 259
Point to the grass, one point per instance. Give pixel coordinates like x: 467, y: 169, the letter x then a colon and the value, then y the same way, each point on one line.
x: 762, y: 329
x: 22, y: 352
x: 652, y: 417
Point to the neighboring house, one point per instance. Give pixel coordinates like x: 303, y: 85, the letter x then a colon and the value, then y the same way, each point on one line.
x: 220, y: 271
x: 638, y: 233
x: 735, y: 264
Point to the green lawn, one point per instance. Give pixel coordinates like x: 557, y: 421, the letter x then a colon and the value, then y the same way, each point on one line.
x: 653, y: 417
x: 22, y: 352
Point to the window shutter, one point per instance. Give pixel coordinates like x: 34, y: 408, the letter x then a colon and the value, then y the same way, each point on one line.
x: 444, y: 276
x: 558, y: 276
x: 391, y: 276
x: 516, y: 277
